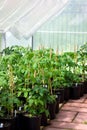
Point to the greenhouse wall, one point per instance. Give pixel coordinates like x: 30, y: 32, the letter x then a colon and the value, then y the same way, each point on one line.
x: 11, y: 40
x: 65, y: 31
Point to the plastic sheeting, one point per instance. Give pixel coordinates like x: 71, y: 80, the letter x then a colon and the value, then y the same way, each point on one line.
x: 24, y: 17
x: 66, y: 30
x: 40, y: 14
x: 12, y: 10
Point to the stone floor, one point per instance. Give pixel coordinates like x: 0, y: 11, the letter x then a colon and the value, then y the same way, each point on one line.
x: 72, y: 116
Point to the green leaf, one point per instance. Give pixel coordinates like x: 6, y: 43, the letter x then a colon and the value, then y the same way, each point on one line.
x: 26, y: 94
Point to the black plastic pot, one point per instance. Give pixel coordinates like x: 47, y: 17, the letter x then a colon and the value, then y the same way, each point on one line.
x: 66, y: 93
x: 6, y: 126
x: 20, y: 121
x: 60, y: 92
x: 57, y: 103
x: 32, y: 123
x: 52, y: 108
x: 85, y: 87
x: 57, y: 93
x: 44, y: 119
x: 75, y: 91
x: 82, y: 89
x: 11, y: 121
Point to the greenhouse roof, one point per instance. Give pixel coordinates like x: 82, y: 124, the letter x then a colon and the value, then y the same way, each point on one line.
x: 24, y: 17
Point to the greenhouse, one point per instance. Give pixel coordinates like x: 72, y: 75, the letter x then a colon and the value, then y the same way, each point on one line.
x: 43, y: 64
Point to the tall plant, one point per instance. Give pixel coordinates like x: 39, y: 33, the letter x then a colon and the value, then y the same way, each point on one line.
x: 83, y: 60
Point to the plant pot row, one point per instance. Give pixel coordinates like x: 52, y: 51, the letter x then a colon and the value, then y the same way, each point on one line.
x: 34, y: 123
x: 76, y: 91
x: 22, y: 122
x: 25, y: 122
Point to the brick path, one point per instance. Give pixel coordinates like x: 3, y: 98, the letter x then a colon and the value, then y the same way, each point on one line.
x: 72, y: 116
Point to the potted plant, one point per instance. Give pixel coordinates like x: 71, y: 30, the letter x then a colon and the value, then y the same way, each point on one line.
x: 3, y: 124
x: 35, y: 105
x: 82, y: 62
x: 8, y: 97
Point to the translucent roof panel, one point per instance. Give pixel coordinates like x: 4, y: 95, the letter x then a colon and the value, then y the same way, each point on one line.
x: 30, y: 22
x: 26, y: 15
x: 65, y: 30
x: 12, y: 10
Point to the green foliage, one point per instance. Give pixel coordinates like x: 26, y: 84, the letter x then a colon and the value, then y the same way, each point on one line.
x: 51, y: 99
x: 36, y: 101
x: 24, y: 72
x: 82, y: 59
x: 7, y: 102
